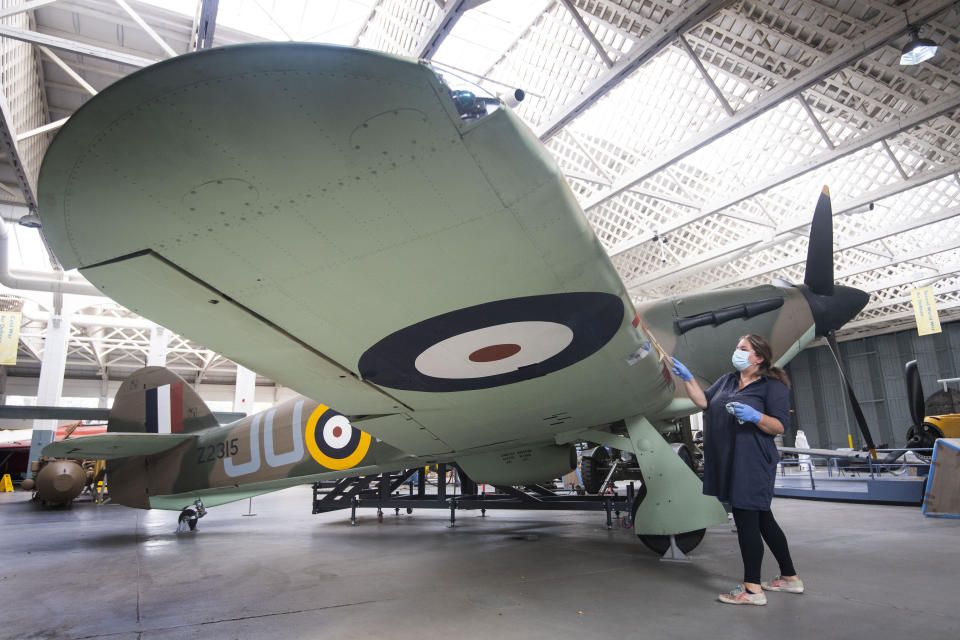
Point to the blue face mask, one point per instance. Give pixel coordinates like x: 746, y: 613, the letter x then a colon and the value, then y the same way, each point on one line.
x: 741, y: 359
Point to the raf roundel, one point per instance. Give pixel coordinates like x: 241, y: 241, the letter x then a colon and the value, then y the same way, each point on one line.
x: 333, y: 441
x: 494, y: 344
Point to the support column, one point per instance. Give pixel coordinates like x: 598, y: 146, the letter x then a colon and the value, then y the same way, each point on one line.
x: 159, y: 338
x: 104, y: 399
x: 51, y: 381
x: 245, y: 390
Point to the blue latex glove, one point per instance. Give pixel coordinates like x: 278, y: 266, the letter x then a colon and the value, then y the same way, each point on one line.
x: 746, y: 413
x: 681, y: 371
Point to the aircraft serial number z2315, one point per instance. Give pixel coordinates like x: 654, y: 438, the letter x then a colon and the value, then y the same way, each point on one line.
x: 218, y: 451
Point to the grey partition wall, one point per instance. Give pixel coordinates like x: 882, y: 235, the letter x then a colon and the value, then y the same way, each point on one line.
x: 875, y: 366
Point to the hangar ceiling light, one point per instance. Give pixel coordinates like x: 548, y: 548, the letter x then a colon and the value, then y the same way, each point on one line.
x: 30, y: 221
x: 917, y: 49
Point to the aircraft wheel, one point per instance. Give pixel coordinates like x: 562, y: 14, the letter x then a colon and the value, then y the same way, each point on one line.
x: 659, y: 544
x: 592, y: 470
x: 687, y: 542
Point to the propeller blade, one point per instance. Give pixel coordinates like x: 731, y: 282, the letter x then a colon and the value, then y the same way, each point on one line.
x: 915, y: 395
x: 819, y: 270
x: 854, y: 403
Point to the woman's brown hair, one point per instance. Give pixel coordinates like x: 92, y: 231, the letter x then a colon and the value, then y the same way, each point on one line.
x: 762, y: 348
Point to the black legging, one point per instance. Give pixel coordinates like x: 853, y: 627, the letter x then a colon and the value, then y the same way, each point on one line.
x: 753, y: 529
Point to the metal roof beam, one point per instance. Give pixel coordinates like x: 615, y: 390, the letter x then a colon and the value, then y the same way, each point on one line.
x: 89, y: 65
x: 875, y: 135
x: 922, y: 252
x: 921, y: 278
x: 695, y: 263
x: 8, y: 142
x: 587, y: 33
x: 665, y: 197
x: 50, y: 126
x: 786, y: 90
x: 589, y: 155
x: 26, y: 6
x: 35, y: 37
x: 722, y: 99
x: 903, y: 315
x: 951, y: 288
x: 873, y: 236
x: 816, y: 123
x: 275, y: 22
x: 786, y: 233
x: 440, y: 28
x: 659, y: 39
x: 147, y: 28
x: 574, y: 174
x: 204, y: 25
x: 68, y: 70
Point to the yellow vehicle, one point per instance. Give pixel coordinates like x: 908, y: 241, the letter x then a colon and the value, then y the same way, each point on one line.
x: 933, y: 427
x: 927, y: 428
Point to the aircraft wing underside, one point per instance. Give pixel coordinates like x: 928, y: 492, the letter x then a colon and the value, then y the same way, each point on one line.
x: 325, y: 217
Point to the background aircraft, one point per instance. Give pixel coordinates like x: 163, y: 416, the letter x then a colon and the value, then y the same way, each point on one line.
x: 343, y: 222
x: 53, y: 482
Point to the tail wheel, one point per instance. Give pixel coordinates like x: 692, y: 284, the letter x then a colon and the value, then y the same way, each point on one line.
x: 659, y: 544
x: 189, y: 516
x: 592, y: 470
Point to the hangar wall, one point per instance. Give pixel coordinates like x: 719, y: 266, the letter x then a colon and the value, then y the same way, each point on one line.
x: 876, y: 370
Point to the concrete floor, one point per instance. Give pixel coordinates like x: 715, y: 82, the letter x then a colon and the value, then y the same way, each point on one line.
x: 111, y: 572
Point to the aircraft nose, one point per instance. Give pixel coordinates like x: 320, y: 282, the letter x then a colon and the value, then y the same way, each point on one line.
x: 830, y: 312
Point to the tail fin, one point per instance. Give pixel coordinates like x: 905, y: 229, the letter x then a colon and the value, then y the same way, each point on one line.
x: 156, y: 400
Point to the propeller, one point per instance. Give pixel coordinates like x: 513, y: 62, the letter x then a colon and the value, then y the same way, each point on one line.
x: 818, y: 274
x: 917, y: 437
x: 832, y: 305
x: 915, y: 395
x: 854, y: 403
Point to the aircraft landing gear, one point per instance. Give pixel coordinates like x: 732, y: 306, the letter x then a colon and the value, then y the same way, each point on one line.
x: 672, y: 547
x: 189, y: 517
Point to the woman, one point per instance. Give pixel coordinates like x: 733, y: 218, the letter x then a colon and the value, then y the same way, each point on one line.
x: 745, y: 410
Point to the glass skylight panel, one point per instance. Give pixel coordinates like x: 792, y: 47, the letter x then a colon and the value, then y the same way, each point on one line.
x: 28, y: 251
x: 330, y: 21
x: 481, y: 35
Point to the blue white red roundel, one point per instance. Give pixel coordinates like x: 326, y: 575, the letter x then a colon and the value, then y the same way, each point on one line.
x: 493, y: 344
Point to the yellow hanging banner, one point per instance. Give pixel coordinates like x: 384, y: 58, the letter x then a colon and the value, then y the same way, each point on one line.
x: 9, y: 336
x: 925, y: 311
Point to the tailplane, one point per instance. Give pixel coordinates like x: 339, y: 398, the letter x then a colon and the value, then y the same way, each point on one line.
x: 156, y: 400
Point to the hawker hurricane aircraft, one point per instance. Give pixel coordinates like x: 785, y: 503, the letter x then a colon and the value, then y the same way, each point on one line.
x: 409, y: 255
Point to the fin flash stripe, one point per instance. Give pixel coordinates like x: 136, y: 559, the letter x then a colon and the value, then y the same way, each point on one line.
x: 350, y: 455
